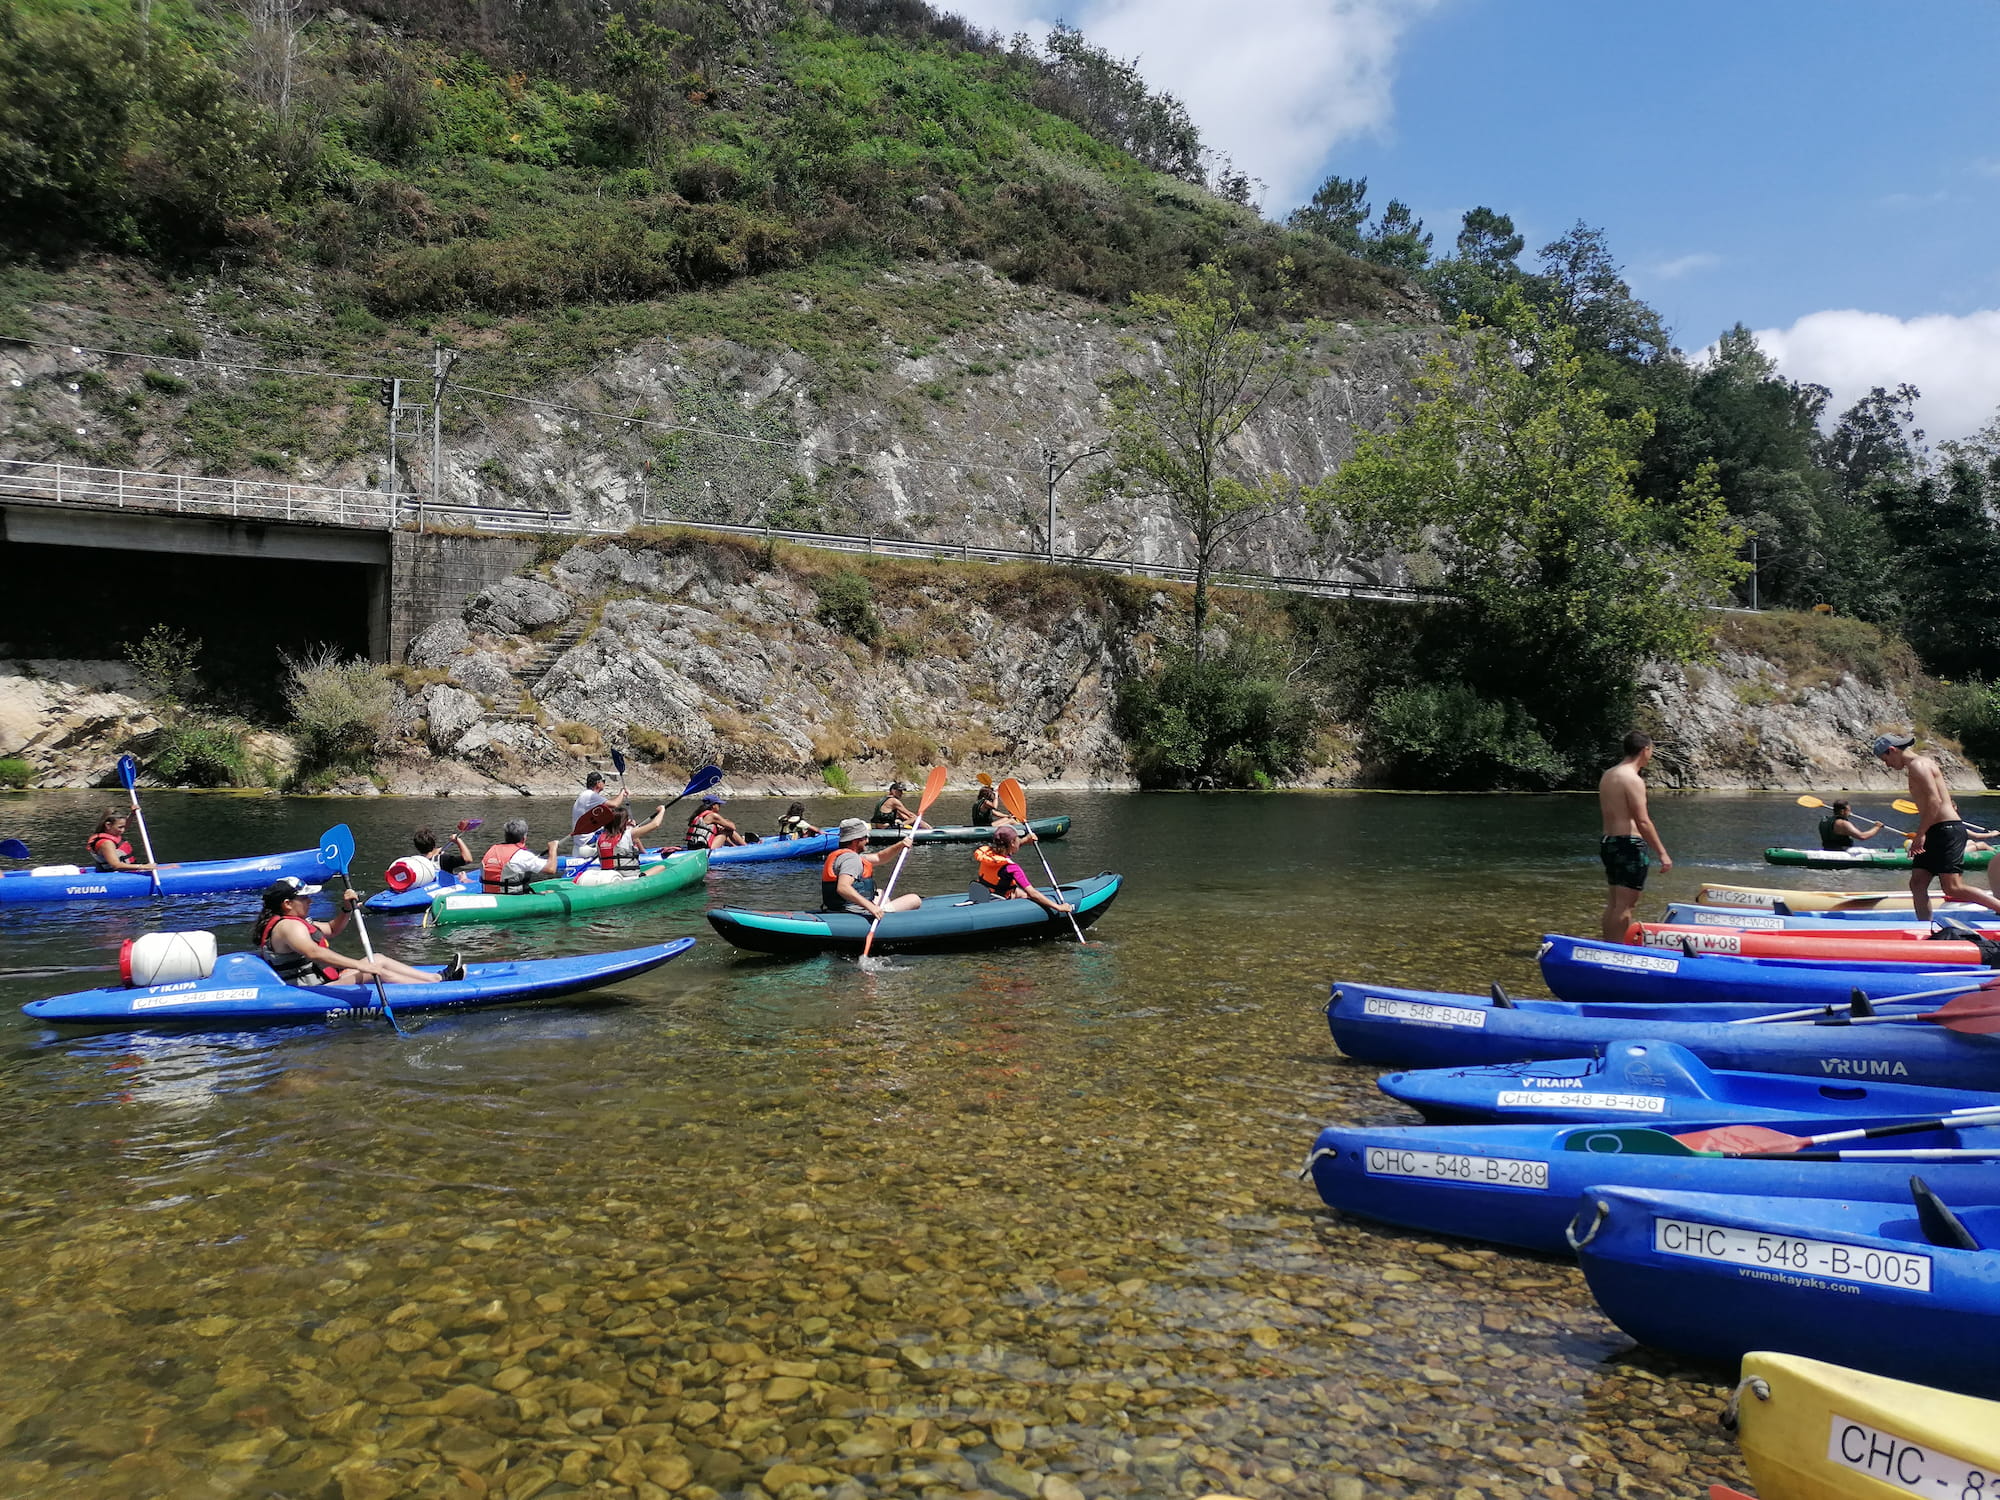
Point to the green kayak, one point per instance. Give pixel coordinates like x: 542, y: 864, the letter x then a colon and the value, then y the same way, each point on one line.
x: 560, y: 898
x: 966, y: 833
x: 1864, y: 859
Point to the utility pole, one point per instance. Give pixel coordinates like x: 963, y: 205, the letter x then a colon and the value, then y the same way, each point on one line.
x: 440, y: 368
x: 392, y: 397
x: 1056, y: 464
x: 1753, y: 571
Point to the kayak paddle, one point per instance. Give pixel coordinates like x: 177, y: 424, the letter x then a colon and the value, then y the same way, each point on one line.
x: 1973, y: 1014
x: 1861, y: 1007
x: 339, y: 841
x: 1910, y: 809
x: 933, y: 786
x: 1015, y: 800
x: 1761, y: 1140
x: 701, y: 781
x: 1641, y: 1140
x: 13, y: 849
x: 467, y: 825
x: 128, y: 773
x: 618, y: 765
x: 1815, y: 802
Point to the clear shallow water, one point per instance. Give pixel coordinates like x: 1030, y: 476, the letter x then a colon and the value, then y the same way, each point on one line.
x: 1022, y: 1222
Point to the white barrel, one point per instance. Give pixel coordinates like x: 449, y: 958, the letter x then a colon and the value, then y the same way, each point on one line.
x: 601, y: 876
x: 411, y: 871
x: 166, y: 958
x: 57, y: 870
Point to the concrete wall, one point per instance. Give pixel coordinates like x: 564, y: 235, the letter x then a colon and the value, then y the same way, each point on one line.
x: 435, y: 574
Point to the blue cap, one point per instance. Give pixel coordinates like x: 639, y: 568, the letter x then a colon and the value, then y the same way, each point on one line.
x: 1886, y: 742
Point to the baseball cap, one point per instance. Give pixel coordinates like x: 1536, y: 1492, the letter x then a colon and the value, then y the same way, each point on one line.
x: 1884, y: 743
x: 711, y: 800
x: 852, y: 829
x: 289, y: 886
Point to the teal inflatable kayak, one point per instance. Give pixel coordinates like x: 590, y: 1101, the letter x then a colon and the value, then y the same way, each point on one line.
x: 562, y: 898
x: 942, y: 923
x: 966, y: 833
x: 1864, y: 859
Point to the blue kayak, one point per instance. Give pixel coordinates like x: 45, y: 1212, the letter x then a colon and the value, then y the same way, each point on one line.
x: 1433, y: 1029
x: 1712, y: 1276
x: 243, y: 991
x: 1518, y: 1184
x: 1645, y: 1080
x: 1590, y: 970
x: 941, y: 924
x: 206, y: 877
x: 1686, y: 914
x: 418, y: 898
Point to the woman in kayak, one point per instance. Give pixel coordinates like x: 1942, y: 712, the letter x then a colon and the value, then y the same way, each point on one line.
x: 294, y: 945
x: 999, y: 878
x: 451, y: 859
x: 793, y: 824
x: 847, y: 879
x: 618, y: 842
x: 890, y: 812
x: 708, y: 829
x: 107, y: 846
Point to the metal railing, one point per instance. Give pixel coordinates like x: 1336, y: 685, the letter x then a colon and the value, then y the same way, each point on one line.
x: 195, y: 494
x: 191, y: 494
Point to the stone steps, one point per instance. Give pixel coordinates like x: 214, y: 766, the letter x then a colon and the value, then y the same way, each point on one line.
x: 536, y: 667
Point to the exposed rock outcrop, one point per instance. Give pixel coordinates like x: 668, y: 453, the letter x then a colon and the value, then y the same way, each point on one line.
x: 69, y: 719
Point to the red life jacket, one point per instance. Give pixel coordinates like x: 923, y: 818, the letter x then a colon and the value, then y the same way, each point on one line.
x: 995, y: 871
x: 122, y: 849
x: 290, y: 965
x: 830, y: 898
x: 611, y: 857
x: 493, y: 877
x: 702, y: 835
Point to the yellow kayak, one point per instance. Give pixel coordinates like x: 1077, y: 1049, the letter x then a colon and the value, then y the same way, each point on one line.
x: 1813, y: 1431
x: 1764, y: 898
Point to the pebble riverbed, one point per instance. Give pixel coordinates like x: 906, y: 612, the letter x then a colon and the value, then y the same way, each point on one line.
x: 1022, y: 1225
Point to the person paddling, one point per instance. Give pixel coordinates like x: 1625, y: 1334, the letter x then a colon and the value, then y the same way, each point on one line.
x: 618, y: 842
x: 1628, y: 834
x: 1840, y: 830
x: 592, y: 796
x: 450, y: 859
x: 708, y: 829
x: 510, y: 866
x: 793, y: 824
x: 846, y: 879
x: 999, y: 878
x: 986, y: 808
x: 890, y: 811
x: 107, y: 846
x: 1937, y: 843
x: 295, y: 946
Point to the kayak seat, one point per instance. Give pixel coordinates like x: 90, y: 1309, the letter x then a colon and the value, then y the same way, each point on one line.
x: 1839, y: 1091
x: 977, y: 893
x: 1501, y: 999
x: 1941, y: 1226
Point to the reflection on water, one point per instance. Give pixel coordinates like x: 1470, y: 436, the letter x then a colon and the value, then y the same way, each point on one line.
x: 1022, y: 1223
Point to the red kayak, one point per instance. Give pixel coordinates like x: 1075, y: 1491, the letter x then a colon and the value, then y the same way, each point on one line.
x: 1863, y: 944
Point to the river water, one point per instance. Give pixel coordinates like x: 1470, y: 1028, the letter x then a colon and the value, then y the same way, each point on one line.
x: 1024, y: 1223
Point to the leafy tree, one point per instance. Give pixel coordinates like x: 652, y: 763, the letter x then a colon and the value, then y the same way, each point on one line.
x: 1338, y: 209
x: 1173, y: 432
x: 1397, y: 239
x: 1581, y: 288
x: 1488, y: 240
x: 1083, y: 79
x: 1486, y: 264
x: 1224, y: 721
x: 1516, y: 482
x: 1947, y: 539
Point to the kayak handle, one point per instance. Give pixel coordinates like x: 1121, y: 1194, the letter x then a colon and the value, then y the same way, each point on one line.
x: 1600, y: 1211
x: 1306, y: 1170
x: 1757, y: 1386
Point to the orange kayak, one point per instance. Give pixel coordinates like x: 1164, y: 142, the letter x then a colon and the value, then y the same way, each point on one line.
x: 1863, y: 944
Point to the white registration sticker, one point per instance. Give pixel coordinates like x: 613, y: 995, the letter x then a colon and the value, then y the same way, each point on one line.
x: 1908, y: 1466
x: 1700, y: 942
x: 1785, y: 1257
x: 1641, y: 1104
x: 193, y: 997
x: 1740, y: 919
x: 1620, y: 958
x: 1723, y: 896
x: 470, y: 903
x: 1418, y: 1010
x: 1446, y: 1166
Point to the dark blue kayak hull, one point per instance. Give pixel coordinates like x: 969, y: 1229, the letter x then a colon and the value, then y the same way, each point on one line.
x: 941, y: 924
x: 243, y: 992
x: 764, y: 851
x: 1588, y: 970
x: 1433, y: 1029
x: 206, y: 877
x: 1518, y: 1185
x: 1711, y: 1277
x: 1687, y: 914
x: 1646, y: 1080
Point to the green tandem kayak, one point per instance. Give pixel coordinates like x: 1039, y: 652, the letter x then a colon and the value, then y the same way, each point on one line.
x: 965, y: 833
x: 1864, y: 859
x: 560, y: 898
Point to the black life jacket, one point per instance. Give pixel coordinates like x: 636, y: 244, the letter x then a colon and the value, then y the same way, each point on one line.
x: 830, y: 898
x: 881, y: 817
x: 1828, y: 839
x: 983, y: 814
x: 291, y: 966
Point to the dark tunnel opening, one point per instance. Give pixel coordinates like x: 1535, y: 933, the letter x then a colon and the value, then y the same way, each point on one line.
x: 86, y: 603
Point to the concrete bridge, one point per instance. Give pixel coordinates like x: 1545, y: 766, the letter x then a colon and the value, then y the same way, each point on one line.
x: 418, y: 562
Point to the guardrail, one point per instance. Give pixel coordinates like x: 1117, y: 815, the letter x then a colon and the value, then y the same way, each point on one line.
x: 255, y: 499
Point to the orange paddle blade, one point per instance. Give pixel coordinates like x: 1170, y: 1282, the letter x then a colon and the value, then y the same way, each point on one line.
x: 933, y: 785
x: 1740, y: 1138
x: 984, y: 779
x: 1976, y: 1014
x: 1809, y: 802
x: 1014, y: 800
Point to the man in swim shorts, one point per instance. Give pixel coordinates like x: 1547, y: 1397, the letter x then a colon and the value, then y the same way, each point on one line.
x: 1937, y: 843
x: 1628, y: 833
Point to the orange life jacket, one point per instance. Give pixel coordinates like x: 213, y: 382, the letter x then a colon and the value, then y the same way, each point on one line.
x: 493, y: 876
x: 993, y: 870
x: 123, y: 849
x: 830, y: 898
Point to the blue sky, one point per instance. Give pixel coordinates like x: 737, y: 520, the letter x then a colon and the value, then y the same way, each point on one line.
x: 1788, y: 163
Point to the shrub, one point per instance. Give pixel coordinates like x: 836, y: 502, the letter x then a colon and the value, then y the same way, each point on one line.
x: 1970, y: 713
x: 16, y: 772
x: 847, y: 602
x: 164, y: 660
x: 341, y: 708
x: 161, y: 381
x: 834, y: 774
x: 198, y: 752
x: 1225, y: 721
x: 1445, y: 735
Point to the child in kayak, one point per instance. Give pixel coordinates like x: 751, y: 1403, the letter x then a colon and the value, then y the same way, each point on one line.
x: 295, y: 946
x: 793, y: 824
x: 451, y: 859
x: 999, y: 878
x: 846, y: 880
x: 107, y: 846
x: 618, y: 846
x: 708, y: 829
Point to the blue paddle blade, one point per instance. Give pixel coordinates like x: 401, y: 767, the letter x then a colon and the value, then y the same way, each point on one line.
x: 128, y: 772
x: 336, y: 847
x: 702, y: 780
x: 13, y: 849
x: 617, y: 761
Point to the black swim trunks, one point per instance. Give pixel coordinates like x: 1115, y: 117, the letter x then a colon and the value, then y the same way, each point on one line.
x: 1944, y: 849
x: 1624, y: 857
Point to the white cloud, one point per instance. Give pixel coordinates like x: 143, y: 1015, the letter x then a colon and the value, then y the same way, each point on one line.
x: 1686, y: 265
x: 1275, y: 85
x: 1954, y: 361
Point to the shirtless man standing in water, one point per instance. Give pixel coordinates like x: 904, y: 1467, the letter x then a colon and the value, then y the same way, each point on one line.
x: 1628, y: 833
x: 1937, y: 844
